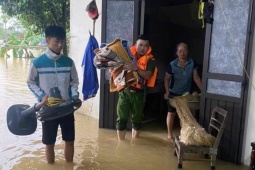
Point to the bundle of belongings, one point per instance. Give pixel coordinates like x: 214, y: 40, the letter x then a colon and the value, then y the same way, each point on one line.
x: 113, y: 56
x: 192, y: 133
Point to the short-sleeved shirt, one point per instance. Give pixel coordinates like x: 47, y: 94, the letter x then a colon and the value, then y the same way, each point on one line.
x: 181, y: 80
x: 151, y: 66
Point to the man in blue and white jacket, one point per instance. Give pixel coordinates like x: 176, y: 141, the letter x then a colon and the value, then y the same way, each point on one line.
x: 52, y: 69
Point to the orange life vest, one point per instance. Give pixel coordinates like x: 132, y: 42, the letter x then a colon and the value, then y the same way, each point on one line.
x: 142, y: 63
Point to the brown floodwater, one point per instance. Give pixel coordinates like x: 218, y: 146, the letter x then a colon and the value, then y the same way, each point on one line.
x: 95, y: 148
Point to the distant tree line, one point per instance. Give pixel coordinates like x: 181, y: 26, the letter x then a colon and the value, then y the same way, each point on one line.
x: 38, y: 13
x: 35, y: 15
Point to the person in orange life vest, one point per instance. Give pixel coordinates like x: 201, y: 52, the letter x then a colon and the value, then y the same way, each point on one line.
x: 131, y: 100
x: 181, y: 71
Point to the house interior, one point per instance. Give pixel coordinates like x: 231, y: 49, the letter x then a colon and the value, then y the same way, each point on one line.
x: 167, y: 23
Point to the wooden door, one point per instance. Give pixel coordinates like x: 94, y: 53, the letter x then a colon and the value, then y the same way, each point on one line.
x: 226, y: 65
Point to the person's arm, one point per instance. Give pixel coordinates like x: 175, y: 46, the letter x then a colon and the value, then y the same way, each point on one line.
x: 33, y: 83
x: 144, y: 74
x: 151, y: 66
x: 74, y: 83
x: 44, y: 100
x: 166, y: 85
x: 197, y: 79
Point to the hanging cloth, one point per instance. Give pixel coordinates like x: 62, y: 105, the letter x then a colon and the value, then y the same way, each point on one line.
x: 90, y: 79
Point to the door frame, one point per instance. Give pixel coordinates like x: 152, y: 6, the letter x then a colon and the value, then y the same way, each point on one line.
x: 108, y: 100
x: 221, y: 99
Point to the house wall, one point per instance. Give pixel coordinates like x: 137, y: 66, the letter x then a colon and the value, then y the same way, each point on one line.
x: 249, y: 128
x: 80, y: 25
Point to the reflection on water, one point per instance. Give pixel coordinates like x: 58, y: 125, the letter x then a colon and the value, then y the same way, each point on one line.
x: 14, y: 91
x: 94, y: 148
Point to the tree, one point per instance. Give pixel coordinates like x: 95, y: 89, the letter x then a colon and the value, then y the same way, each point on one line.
x: 4, y: 19
x: 38, y: 14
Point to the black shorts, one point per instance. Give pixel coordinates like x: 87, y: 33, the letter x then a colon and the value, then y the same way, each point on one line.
x: 169, y: 107
x: 50, y: 129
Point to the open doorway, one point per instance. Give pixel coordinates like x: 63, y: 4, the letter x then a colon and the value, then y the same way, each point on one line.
x: 167, y: 23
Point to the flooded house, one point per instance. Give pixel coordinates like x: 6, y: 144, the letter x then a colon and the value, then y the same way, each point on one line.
x: 223, y: 49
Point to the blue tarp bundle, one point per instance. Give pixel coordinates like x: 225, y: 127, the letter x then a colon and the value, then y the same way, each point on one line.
x: 90, y: 80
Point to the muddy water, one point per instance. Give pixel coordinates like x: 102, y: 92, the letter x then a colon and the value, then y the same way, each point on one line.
x: 95, y: 149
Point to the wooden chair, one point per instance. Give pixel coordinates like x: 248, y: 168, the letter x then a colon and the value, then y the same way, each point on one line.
x: 216, y: 128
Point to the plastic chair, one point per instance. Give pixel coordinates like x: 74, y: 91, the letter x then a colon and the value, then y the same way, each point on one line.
x: 216, y: 128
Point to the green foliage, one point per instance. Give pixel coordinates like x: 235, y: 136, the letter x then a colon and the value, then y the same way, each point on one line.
x: 21, y: 47
x: 38, y: 13
x: 35, y: 16
x: 3, y: 51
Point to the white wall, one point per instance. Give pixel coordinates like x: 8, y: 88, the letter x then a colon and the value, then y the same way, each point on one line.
x: 249, y: 129
x: 80, y: 25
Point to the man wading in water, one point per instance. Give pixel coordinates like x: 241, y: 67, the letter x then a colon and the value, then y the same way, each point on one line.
x: 52, y: 69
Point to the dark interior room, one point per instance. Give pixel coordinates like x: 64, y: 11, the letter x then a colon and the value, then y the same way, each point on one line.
x: 167, y: 23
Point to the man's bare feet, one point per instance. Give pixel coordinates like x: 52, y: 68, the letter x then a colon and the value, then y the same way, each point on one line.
x: 170, y: 139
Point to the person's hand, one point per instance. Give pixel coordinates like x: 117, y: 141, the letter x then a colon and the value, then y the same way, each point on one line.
x: 78, y: 102
x: 166, y: 95
x: 111, y: 70
x: 44, y: 100
x: 130, y: 66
